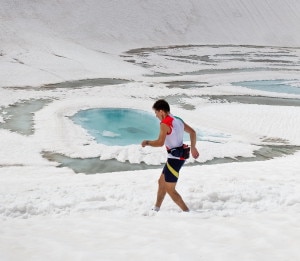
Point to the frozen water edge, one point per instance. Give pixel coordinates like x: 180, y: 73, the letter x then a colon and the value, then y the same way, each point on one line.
x: 96, y: 166
x: 19, y: 116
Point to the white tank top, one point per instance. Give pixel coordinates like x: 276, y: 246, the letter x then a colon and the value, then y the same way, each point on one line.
x: 175, y: 136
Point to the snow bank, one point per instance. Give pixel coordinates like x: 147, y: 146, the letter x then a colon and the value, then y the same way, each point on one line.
x: 46, y: 42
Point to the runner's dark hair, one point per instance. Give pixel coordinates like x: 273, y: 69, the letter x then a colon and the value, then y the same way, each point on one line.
x: 161, y: 105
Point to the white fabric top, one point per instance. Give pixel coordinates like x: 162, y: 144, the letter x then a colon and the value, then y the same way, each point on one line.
x: 175, y: 137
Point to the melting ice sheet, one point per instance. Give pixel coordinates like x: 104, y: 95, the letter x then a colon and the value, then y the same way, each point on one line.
x: 278, y: 86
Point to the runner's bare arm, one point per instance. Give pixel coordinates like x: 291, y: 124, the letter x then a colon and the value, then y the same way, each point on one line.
x: 193, y: 138
x: 160, y: 141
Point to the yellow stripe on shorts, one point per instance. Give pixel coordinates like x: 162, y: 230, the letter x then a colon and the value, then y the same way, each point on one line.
x: 173, y: 171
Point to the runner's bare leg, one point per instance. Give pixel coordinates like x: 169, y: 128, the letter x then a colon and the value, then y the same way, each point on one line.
x: 161, y: 193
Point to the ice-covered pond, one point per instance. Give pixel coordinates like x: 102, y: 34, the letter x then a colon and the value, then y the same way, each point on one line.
x: 118, y: 126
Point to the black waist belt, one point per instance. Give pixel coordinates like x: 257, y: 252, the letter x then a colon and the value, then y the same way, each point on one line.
x: 181, y: 152
x: 177, y: 148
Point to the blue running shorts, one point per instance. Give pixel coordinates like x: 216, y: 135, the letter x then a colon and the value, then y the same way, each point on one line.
x: 171, y: 169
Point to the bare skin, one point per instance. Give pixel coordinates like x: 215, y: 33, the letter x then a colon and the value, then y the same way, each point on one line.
x: 163, y: 186
x: 168, y: 187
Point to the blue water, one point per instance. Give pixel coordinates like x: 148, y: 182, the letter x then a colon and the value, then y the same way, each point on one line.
x: 117, y: 126
x: 278, y: 86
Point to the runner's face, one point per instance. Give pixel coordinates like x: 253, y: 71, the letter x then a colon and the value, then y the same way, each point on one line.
x: 158, y: 114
